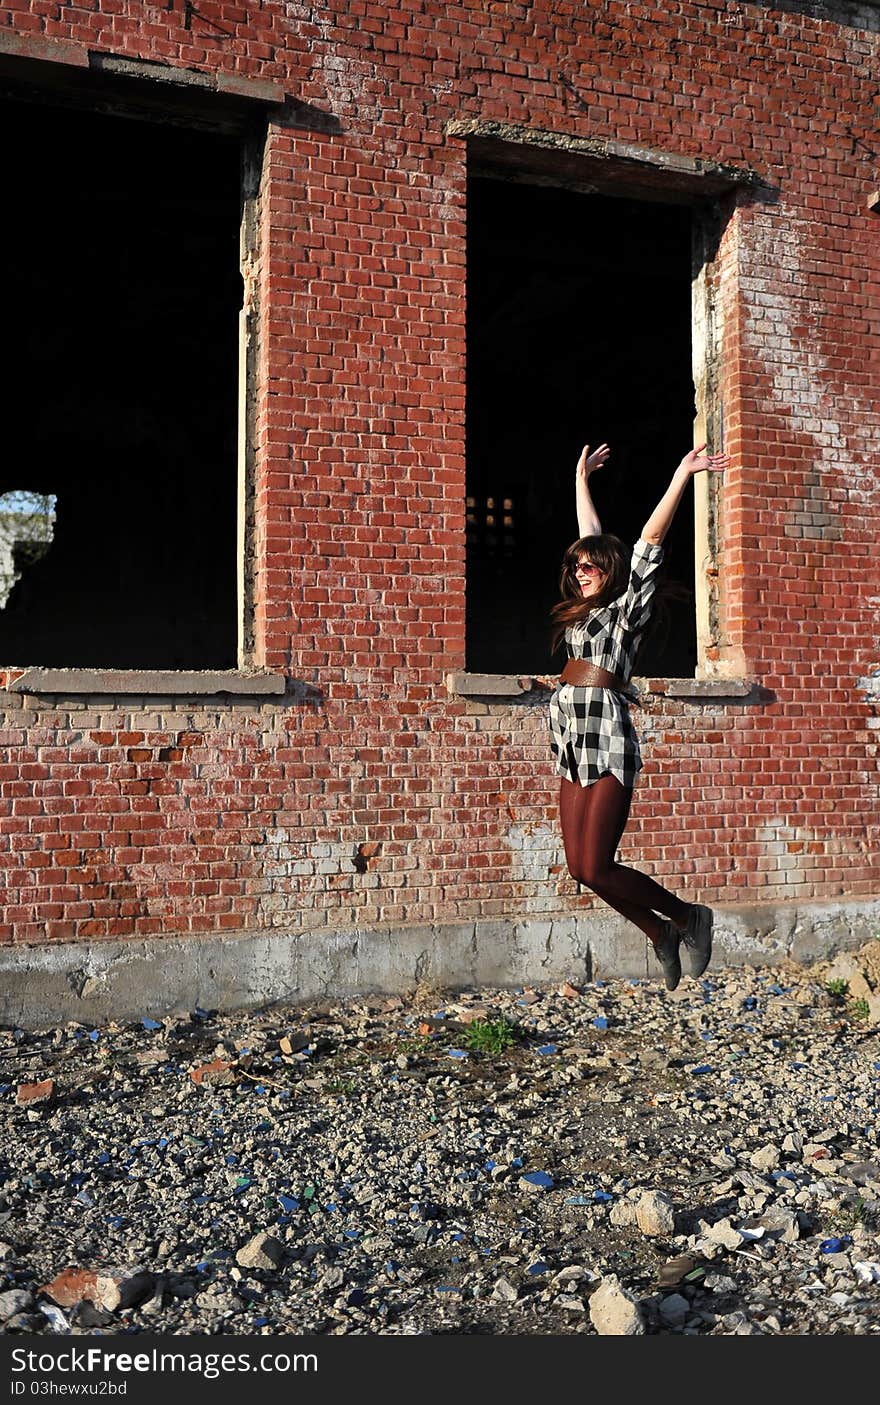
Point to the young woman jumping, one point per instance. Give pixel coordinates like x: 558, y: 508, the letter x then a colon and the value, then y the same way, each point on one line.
x: 607, y: 595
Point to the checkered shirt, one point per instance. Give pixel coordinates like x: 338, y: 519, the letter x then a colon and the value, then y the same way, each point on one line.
x: 591, y: 732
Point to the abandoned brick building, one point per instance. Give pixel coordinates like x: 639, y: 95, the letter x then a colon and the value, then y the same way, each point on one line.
x: 310, y: 309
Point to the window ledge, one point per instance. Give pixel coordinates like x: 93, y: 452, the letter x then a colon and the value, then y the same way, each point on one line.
x: 514, y: 685
x: 142, y: 681
x: 701, y: 687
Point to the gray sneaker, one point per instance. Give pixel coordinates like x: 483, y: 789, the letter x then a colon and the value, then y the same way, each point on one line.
x: 697, y: 939
x: 666, y: 951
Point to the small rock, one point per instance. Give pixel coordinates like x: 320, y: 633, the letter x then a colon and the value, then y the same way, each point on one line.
x: 781, y: 1224
x: 85, y: 1314
x: 263, y: 1251
x: 863, y: 1173
x: 572, y: 1274
x: 473, y: 1013
x: 840, y: 1262
x: 504, y: 1291
x: 674, y: 1310
x: 614, y: 1312
x: 623, y: 1213
x: 293, y: 1043
x: 28, y: 1321
x: 17, y: 1300
x: 766, y: 1158
x: 654, y: 1213
x: 53, y: 1315
x: 741, y: 1325
x: 722, y: 1232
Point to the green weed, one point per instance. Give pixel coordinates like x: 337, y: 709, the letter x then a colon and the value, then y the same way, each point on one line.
x: 419, y: 1044
x: 858, y: 1010
x: 854, y: 1213
x: 490, y: 1036
x: 838, y: 988
x: 345, y: 1086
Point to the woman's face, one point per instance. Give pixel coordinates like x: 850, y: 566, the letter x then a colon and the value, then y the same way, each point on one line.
x: 589, y: 577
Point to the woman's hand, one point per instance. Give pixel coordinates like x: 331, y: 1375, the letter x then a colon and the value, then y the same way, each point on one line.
x: 588, y: 463
x: 698, y: 462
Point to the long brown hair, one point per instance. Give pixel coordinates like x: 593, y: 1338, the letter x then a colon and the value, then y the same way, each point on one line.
x: 612, y: 557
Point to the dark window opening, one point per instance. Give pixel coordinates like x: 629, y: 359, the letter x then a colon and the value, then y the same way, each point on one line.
x: 121, y: 373
x: 579, y: 330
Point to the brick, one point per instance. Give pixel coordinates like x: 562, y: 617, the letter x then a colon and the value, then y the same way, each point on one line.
x: 106, y: 1288
x: 30, y: 1094
x: 217, y: 1073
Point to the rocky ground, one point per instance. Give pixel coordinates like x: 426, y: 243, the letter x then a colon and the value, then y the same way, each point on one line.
x: 699, y: 1163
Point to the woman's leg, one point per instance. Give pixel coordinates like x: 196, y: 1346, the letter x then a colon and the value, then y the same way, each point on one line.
x: 572, y: 807
x: 574, y: 803
x: 633, y: 894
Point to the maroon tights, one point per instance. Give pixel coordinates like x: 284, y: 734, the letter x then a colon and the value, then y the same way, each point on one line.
x: 593, y: 820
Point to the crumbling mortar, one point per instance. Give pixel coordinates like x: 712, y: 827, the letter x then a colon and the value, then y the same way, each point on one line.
x: 251, y: 230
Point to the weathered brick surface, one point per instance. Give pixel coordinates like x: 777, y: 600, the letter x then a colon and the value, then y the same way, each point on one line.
x: 378, y: 797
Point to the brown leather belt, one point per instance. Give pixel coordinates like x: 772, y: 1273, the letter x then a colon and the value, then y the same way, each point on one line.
x: 588, y: 675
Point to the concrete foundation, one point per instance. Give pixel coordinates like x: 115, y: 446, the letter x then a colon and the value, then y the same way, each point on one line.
x: 48, y: 985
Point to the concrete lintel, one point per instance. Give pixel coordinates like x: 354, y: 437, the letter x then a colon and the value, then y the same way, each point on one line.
x: 711, y: 176
x: 236, y: 85
x: 94, y: 982
x: 37, y: 48
x: 42, y: 50
x: 240, y: 85
x: 142, y: 681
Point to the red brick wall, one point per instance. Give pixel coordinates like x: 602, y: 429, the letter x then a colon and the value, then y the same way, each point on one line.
x: 388, y: 801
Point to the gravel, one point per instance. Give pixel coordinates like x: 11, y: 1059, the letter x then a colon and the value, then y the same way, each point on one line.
x: 703, y: 1163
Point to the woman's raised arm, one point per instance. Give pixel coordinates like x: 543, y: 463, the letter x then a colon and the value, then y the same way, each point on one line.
x: 588, y: 518
x: 696, y: 461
